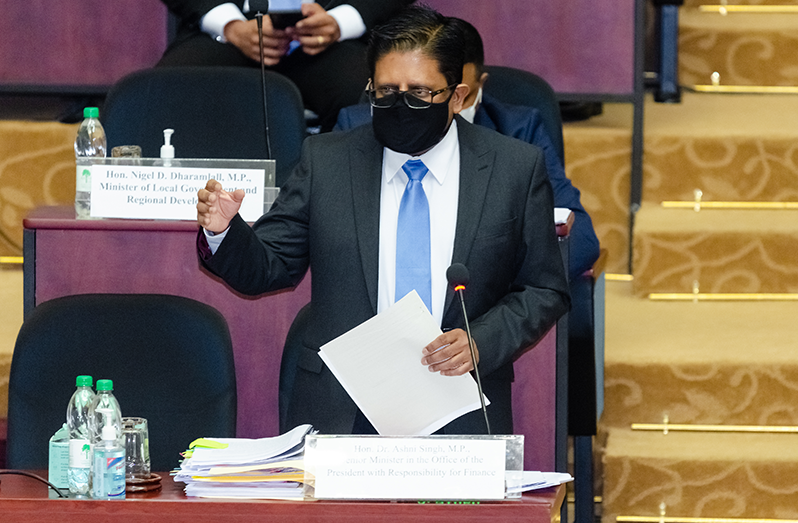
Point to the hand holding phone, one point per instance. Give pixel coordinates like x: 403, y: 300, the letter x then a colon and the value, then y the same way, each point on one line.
x: 285, y: 13
x: 316, y: 31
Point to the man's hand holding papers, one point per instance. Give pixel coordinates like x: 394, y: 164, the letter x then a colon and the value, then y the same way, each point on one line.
x: 385, y: 380
x: 449, y: 354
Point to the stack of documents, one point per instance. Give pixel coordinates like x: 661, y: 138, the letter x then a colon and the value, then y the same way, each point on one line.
x: 266, y: 468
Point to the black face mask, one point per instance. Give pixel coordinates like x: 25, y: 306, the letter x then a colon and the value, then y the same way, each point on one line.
x: 410, y: 131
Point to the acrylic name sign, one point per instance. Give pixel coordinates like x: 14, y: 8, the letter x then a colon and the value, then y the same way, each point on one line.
x: 413, y: 468
x: 154, y: 188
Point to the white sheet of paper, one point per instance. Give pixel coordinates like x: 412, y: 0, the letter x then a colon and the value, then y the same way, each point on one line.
x: 535, y: 480
x: 379, y: 364
x: 561, y: 215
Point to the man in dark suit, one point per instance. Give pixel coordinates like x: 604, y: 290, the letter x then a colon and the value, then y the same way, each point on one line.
x: 328, y: 64
x: 521, y: 122
x: 489, y: 207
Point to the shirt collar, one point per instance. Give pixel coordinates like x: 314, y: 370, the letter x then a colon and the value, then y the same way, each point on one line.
x: 438, y: 159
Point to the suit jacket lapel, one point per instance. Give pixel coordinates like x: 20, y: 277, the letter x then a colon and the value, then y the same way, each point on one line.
x: 476, y: 167
x: 365, y: 168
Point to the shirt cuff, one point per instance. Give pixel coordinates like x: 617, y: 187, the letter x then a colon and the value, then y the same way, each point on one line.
x: 217, y: 18
x: 349, y: 21
x: 214, y: 240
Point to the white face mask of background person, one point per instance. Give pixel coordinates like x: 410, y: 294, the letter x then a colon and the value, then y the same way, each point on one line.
x: 470, y: 112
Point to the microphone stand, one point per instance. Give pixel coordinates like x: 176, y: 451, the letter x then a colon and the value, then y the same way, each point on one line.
x: 259, y: 17
x: 459, y: 290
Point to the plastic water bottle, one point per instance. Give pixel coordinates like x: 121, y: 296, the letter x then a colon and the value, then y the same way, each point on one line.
x: 105, y: 400
x: 90, y: 143
x: 108, y: 473
x: 79, y: 473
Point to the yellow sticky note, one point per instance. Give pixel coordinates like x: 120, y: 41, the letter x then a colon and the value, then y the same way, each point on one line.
x: 207, y: 444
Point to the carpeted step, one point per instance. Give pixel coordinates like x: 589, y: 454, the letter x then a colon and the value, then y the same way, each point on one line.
x: 720, y: 251
x: 744, y: 48
x: 597, y: 160
x: 727, y: 363
x: 11, y: 290
x: 37, y: 167
x: 732, y: 147
x: 5, y: 370
x: 706, y: 475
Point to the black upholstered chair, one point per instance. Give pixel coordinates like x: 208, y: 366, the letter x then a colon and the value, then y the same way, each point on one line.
x: 216, y: 112
x: 517, y: 87
x: 170, y: 358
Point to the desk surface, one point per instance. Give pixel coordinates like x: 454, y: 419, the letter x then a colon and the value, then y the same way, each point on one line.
x: 25, y: 500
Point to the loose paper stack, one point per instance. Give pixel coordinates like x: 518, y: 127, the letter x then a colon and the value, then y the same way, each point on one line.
x: 266, y: 468
x: 534, y: 480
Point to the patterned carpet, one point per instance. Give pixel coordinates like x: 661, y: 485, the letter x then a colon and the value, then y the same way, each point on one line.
x: 37, y: 167
x: 744, y: 48
x: 727, y: 363
x: 702, y: 475
x: 10, y: 322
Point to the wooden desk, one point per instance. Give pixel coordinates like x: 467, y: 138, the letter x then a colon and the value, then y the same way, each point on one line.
x: 24, y: 500
x: 65, y: 256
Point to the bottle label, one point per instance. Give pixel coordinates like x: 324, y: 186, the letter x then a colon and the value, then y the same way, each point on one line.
x: 79, y: 453
x: 83, y: 179
x: 109, y: 474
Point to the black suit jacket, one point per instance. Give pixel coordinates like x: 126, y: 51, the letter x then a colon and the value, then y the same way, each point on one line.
x: 327, y: 217
x: 526, y: 124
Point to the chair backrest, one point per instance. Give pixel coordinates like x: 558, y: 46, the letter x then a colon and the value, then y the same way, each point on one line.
x: 216, y: 112
x: 535, y: 404
x: 517, y: 87
x: 170, y: 358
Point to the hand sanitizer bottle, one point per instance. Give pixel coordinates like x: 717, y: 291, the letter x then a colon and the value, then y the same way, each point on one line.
x: 167, y: 149
x: 108, y: 475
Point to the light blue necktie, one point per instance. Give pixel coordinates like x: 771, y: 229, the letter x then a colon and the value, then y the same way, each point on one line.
x: 412, y: 237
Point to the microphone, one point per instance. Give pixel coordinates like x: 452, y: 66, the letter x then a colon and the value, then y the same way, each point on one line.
x: 260, y: 8
x: 457, y: 275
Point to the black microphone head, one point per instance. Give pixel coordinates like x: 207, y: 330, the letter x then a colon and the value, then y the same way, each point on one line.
x: 457, y: 274
x: 259, y: 6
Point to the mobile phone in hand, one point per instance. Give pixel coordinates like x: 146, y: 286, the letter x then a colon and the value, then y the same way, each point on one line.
x: 285, y: 13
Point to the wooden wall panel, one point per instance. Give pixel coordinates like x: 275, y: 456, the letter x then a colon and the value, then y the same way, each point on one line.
x: 78, y: 42
x: 578, y: 46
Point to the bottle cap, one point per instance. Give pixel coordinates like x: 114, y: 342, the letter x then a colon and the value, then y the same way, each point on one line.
x: 105, y: 385
x: 167, y: 149
x: 84, y: 381
x: 91, y: 112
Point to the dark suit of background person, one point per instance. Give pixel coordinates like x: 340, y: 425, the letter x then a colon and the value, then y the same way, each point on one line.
x: 328, y: 81
x: 327, y: 216
x: 525, y: 124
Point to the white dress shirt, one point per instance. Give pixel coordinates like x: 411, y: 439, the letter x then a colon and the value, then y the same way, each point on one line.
x: 348, y: 19
x: 442, y: 187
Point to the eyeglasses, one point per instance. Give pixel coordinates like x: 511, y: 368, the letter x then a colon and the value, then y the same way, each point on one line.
x: 417, y: 98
